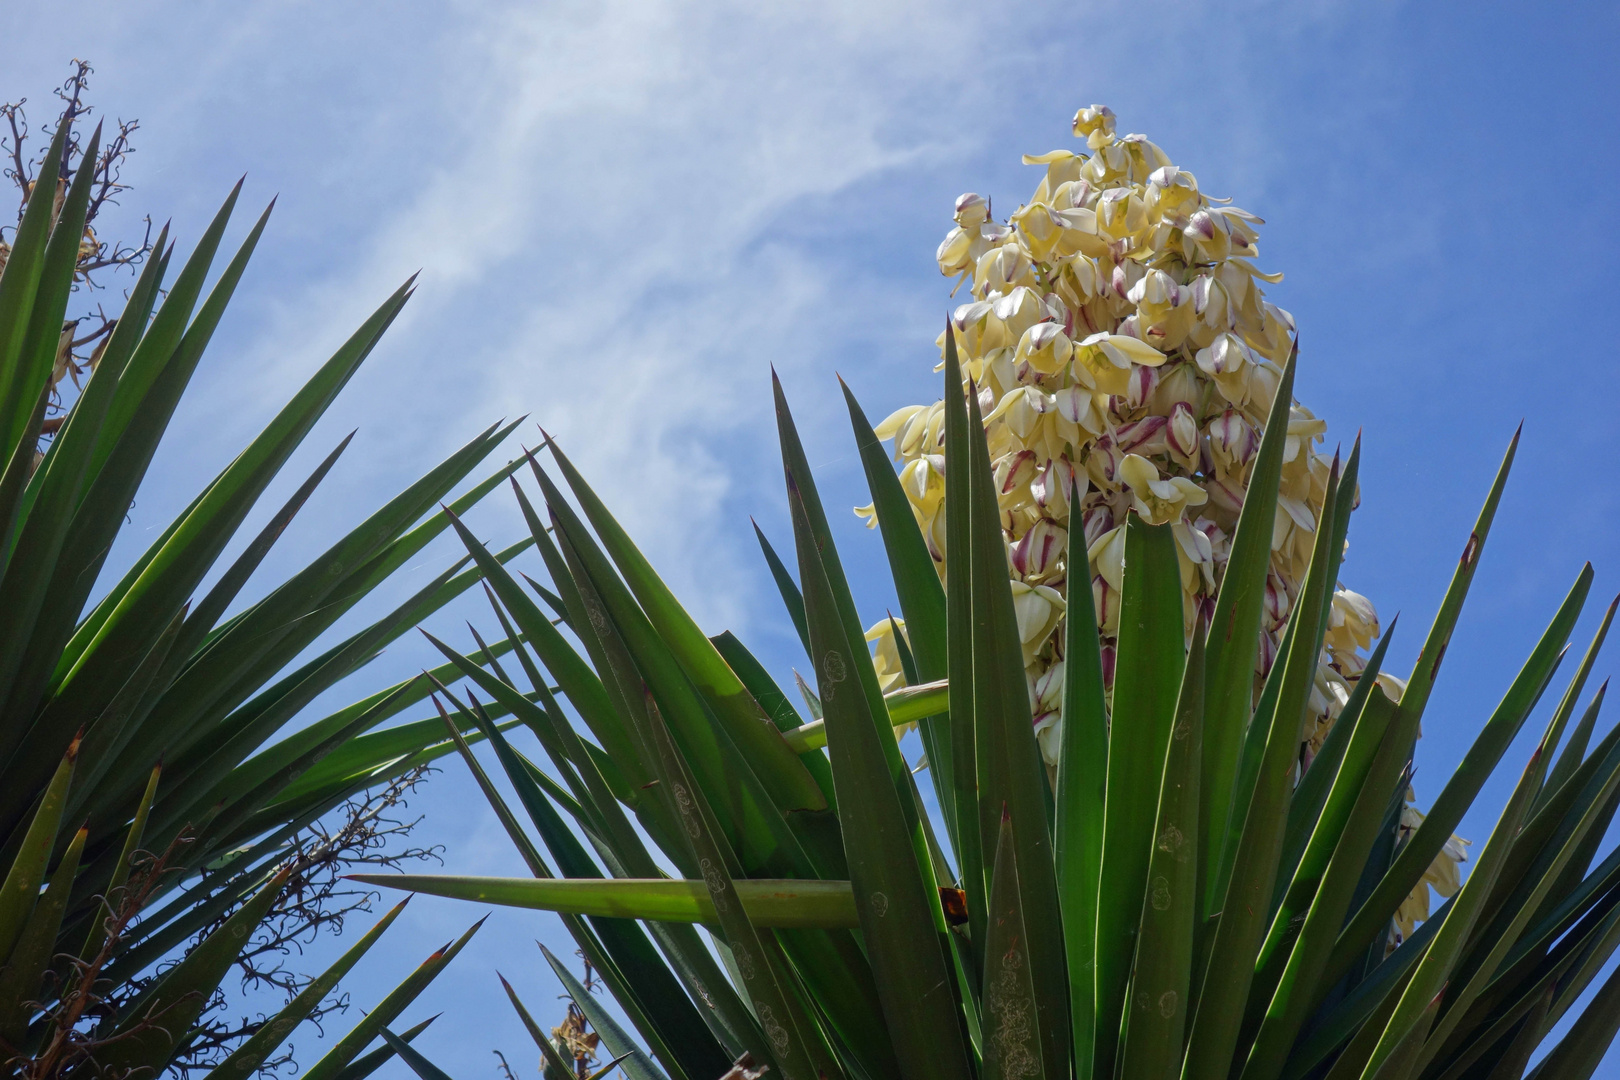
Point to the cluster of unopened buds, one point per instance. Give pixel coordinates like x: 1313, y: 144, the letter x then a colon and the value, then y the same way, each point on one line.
x: 1119, y: 340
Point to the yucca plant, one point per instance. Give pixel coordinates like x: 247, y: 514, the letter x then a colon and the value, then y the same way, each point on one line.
x: 151, y: 785
x: 1111, y: 925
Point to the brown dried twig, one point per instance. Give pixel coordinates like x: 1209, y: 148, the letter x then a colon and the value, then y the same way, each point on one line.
x: 80, y: 347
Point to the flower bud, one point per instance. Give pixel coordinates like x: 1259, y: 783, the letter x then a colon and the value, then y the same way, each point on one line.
x: 955, y: 252
x: 1037, y: 552
x: 1206, y: 238
x: 1158, y: 289
x: 1181, y: 433
x: 923, y: 480
x: 1143, y: 381
x: 1277, y: 602
x: 1145, y: 437
x: 1046, y: 690
x: 1229, y: 362
x: 1210, y: 302
x: 1265, y: 656
x: 1109, y: 657
x: 1096, y: 521
x: 1000, y: 269
x: 1014, y: 471
x: 1053, y: 485
x: 1232, y: 441
x: 1177, y: 383
x: 1196, y: 555
x: 1078, y: 405
x: 1039, y: 609
x: 1219, y: 543
x: 987, y: 399
x: 1263, y: 380
x: 1226, y: 355
x: 1225, y: 497
x: 1075, y: 195
x: 1105, y: 600
x: 1103, y: 462
x: 972, y: 210
x: 969, y: 322
x: 1119, y: 280
x: 1107, y: 556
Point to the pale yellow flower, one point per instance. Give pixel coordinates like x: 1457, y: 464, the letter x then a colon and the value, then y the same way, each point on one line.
x: 1095, y: 120
x: 1001, y: 268
x: 1107, y: 360
x: 886, y: 654
x: 1197, y: 557
x: 1122, y: 346
x: 1045, y: 705
x: 1158, y: 501
x: 1038, y: 553
x: 1230, y: 363
x: 1352, y: 626
x: 971, y: 210
x: 1083, y: 407
x: 893, y: 424
x: 1181, y: 435
x: 1040, y: 610
x: 1303, y: 430
x: 1020, y: 410
x: 1062, y: 166
x: 1232, y: 442
x: 1444, y: 874
x: 1045, y: 348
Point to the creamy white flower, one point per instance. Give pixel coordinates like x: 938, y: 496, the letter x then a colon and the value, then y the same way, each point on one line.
x: 1122, y: 345
x: 886, y: 654
x: 1037, y: 552
x: 1158, y: 500
x: 1039, y: 609
x: 971, y: 210
x: 1046, y: 348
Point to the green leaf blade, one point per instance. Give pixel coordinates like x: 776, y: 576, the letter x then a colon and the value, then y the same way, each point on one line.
x: 886, y: 853
x: 1148, y: 672
x: 789, y: 902
x: 1011, y: 1014
x: 1155, y: 1020
x: 1234, y: 637
x: 1081, y: 797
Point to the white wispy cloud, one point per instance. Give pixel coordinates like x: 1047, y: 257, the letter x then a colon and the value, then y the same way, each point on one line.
x: 625, y: 212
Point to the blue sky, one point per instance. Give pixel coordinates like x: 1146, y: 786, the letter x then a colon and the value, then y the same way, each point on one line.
x: 625, y: 211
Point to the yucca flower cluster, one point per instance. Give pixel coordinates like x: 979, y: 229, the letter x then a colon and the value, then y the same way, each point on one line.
x: 1119, y: 338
